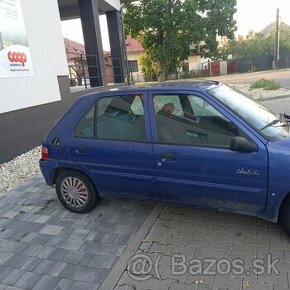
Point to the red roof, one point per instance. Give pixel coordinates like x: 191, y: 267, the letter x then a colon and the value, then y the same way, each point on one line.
x: 73, y: 46
x: 133, y: 45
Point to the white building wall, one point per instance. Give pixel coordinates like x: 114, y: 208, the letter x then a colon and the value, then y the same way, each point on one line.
x: 43, y: 30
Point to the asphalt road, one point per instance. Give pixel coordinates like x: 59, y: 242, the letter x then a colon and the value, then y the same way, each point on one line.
x: 281, y: 76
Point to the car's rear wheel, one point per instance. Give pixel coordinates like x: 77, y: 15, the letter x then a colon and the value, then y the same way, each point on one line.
x: 76, y: 192
x: 284, y: 215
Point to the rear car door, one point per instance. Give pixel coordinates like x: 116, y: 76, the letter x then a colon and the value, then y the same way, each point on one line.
x: 194, y: 162
x: 110, y: 142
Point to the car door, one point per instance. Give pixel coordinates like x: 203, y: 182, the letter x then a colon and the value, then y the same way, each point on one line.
x: 193, y: 159
x: 110, y: 142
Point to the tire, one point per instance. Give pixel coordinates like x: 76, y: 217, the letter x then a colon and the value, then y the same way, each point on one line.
x: 76, y: 192
x: 284, y: 215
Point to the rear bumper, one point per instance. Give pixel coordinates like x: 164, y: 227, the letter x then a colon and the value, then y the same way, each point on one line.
x: 48, y: 168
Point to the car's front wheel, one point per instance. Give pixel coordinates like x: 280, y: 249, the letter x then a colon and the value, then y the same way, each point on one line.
x: 284, y: 215
x: 76, y: 192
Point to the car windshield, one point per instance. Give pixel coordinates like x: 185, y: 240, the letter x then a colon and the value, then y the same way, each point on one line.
x: 254, y: 113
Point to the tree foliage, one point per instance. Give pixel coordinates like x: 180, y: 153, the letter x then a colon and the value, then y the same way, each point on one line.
x: 256, y: 44
x: 170, y: 29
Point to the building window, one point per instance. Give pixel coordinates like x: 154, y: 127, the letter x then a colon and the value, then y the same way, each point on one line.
x: 133, y: 65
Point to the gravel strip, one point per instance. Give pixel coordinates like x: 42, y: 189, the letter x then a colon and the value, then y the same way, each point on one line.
x: 25, y: 166
x: 20, y: 169
x: 260, y: 94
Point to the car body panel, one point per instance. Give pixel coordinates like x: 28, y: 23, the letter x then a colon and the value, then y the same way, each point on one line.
x: 253, y: 183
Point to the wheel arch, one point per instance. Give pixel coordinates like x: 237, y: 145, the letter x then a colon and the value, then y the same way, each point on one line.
x: 286, y: 197
x: 59, y: 170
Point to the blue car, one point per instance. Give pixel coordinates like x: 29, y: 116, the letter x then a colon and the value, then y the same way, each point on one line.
x: 196, y: 143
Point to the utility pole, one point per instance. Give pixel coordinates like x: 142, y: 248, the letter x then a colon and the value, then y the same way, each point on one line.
x: 277, y: 40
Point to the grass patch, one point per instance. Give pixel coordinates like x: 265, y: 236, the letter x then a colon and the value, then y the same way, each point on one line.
x: 265, y: 84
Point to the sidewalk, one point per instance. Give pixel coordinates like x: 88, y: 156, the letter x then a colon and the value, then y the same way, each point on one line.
x: 44, y: 246
x: 190, y: 236
x: 130, y: 244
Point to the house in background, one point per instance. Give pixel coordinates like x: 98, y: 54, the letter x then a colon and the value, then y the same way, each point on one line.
x: 78, y: 64
x: 195, y: 63
x: 134, y: 50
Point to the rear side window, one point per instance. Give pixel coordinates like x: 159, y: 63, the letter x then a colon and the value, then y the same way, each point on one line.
x: 114, y: 118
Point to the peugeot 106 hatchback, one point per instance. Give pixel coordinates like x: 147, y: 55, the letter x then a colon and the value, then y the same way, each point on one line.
x: 198, y: 143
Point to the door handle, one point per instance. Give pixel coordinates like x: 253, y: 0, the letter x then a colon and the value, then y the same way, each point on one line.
x: 168, y: 157
x: 81, y: 149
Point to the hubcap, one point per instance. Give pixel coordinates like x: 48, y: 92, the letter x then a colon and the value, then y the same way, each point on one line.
x: 74, y: 192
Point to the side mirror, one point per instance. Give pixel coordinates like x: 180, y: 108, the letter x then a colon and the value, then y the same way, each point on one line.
x: 242, y: 144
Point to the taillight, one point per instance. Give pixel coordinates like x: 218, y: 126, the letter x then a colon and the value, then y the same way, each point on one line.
x: 44, y: 153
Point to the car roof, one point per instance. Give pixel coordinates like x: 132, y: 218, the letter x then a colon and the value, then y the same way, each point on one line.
x: 199, y: 85
x: 171, y: 85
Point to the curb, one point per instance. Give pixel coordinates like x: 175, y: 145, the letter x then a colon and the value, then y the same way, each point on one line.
x: 117, y: 271
x: 274, y: 98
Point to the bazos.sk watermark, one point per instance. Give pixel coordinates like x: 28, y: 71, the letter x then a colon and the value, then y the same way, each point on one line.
x: 142, y: 266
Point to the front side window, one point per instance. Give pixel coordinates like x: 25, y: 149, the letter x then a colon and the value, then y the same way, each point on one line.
x: 254, y: 113
x: 114, y: 118
x: 190, y: 120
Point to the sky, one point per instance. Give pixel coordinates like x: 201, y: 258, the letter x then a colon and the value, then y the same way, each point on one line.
x: 251, y: 15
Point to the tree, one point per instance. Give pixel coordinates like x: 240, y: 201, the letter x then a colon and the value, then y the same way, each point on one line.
x: 256, y: 44
x: 170, y: 29
x: 149, y: 67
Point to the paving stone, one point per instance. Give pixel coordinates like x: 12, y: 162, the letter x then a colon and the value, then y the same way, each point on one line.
x: 96, y: 248
x: 84, y: 274
x: 58, y: 255
x: 160, y: 248
x: 40, y: 239
x: 102, y: 261
x: 46, y: 283
x: 71, y: 244
x: 66, y: 233
x: 14, y: 288
x: 51, y: 230
x: 17, y: 261
x: 73, y: 257
x: 28, y: 280
x: 84, y: 286
x: 31, y: 264
x: 55, y: 241
x: 13, y: 277
x: 64, y: 284
x: 227, y: 282
x: 79, y: 234
x: 181, y: 286
x: 41, y: 219
x: 28, y: 237
x: 7, y: 233
x: 33, y: 250
x: 4, y: 257
x: 46, y: 252
x: 4, y: 272
x: 16, y: 247
x: 49, y: 267
x: 156, y: 284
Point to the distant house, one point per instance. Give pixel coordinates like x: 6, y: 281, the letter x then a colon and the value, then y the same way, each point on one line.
x: 270, y: 29
x: 134, y: 50
x: 78, y: 66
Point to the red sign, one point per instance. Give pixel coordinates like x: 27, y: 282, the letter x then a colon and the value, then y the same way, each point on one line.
x: 19, y: 57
